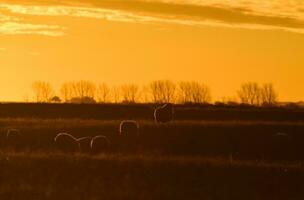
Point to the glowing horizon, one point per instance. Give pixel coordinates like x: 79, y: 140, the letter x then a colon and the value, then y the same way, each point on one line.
x: 219, y: 43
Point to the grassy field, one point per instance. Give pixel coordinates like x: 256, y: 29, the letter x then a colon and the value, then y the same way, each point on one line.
x: 60, y: 176
x: 189, y: 159
x: 246, y: 139
x: 145, y: 111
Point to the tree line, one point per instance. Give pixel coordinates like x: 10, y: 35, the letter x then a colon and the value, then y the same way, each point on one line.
x: 159, y: 91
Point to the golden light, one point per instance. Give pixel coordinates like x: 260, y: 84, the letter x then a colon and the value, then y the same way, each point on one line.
x: 122, y: 42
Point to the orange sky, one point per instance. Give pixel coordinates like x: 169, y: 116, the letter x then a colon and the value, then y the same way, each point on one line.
x: 133, y: 43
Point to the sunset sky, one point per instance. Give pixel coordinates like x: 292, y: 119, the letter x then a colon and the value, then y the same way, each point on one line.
x: 222, y: 43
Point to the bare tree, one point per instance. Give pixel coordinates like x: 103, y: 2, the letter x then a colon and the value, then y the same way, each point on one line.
x: 103, y: 93
x: 154, y: 88
x: 144, y: 94
x: 130, y: 93
x: 194, y: 92
x: 83, y: 89
x: 268, y: 94
x: 250, y: 93
x: 43, y: 91
x: 116, y: 94
x: 185, y: 92
x: 66, y: 91
x: 200, y: 93
x: 80, y: 90
x: 162, y: 91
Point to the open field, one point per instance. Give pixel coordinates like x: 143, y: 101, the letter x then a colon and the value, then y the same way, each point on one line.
x: 59, y: 176
x: 145, y: 111
x: 185, y: 159
x: 151, y: 100
x: 243, y: 139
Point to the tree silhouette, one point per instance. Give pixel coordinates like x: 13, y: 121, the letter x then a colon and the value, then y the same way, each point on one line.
x: 116, y: 94
x: 84, y: 89
x: 79, y: 89
x: 84, y: 100
x: 130, y: 93
x: 268, y: 94
x: 103, y: 93
x: 250, y: 93
x: 193, y: 92
x: 55, y: 99
x: 159, y: 91
x: 43, y: 91
x: 162, y: 91
x: 66, y: 91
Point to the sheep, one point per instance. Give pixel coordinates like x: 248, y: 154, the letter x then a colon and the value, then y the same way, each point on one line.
x: 279, y: 134
x: 129, y: 128
x: 84, y: 144
x: 13, y: 139
x: 66, y: 142
x: 164, y: 113
x: 100, y: 144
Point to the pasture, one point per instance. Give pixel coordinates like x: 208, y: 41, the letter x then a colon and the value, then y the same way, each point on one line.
x: 243, y: 139
x: 62, y: 176
x: 183, y: 159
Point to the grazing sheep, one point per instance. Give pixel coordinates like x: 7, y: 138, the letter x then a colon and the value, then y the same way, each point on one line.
x: 282, y: 138
x: 164, y: 113
x: 66, y: 142
x: 129, y: 128
x: 281, y: 135
x: 84, y: 144
x: 100, y: 144
x: 13, y: 139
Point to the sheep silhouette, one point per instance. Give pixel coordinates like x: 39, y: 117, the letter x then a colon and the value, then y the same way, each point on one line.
x: 280, y: 134
x: 100, y: 144
x: 84, y: 144
x: 164, y: 113
x: 13, y: 139
x: 66, y: 142
x: 129, y: 128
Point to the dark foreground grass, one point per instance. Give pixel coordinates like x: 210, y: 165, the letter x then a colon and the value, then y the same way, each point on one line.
x: 59, y: 176
x: 242, y: 139
x: 179, y: 160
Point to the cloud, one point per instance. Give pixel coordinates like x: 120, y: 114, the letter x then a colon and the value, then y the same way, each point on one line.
x: 16, y: 28
x: 231, y: 12
x: 255, y: 14
x: 13, y: 25
x: 4, y: 18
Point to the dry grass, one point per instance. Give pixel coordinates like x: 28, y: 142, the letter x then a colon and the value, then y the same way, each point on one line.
x: 76, y: 122
x: 61, y: 176
x: 180, y: 160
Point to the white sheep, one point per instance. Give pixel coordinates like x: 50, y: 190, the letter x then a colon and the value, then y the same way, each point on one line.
x: 129, y: 128
x: 100, y: 144
x: 164, y: 113
x: 66, y: 142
